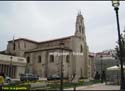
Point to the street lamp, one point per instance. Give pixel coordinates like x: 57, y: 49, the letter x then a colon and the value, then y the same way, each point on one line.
x: 101, y: 67
x: 115, y: 4
x: 10, y: 66
x: 61, y: 80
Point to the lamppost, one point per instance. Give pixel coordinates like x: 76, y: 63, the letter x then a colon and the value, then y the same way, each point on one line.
x: 10, y: 66
x: 61, y: 80
x: 101, y: 67
x: 115, y: 4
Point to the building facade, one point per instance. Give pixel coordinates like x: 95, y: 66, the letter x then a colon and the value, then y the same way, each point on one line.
x: 44, y: 58
x: 12, y: 66
x: 92, y: 66
x: 104, y: 60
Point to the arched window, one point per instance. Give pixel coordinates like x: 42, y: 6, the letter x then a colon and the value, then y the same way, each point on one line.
x: 28, y: 59
x: 80, y: 28
x: 39, y: 59
x: 81, y: 48
x: 67, y: 59
x: 51, y: 58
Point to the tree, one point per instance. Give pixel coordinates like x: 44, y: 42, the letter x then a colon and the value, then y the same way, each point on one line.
x: 123, y: 47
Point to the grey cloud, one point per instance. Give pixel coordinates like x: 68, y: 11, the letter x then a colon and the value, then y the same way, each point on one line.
x: 48, y: 20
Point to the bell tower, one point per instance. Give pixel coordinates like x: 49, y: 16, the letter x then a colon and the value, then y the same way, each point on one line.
x: 80, y: 28
x: 80, y: 46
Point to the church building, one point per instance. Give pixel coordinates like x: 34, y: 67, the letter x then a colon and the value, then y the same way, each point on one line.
x: 44, y: 58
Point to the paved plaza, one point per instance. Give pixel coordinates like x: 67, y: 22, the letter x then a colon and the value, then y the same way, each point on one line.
x: 97, y: 87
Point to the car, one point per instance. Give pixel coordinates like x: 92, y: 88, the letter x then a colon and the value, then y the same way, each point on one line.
x: 53, y: 77
x: 7, y: 79
x: 29, y: 77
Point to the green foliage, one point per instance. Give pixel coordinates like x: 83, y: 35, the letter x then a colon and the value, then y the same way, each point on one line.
x: 56, y: 85
x: 123, y: 47
x: 71, y: 85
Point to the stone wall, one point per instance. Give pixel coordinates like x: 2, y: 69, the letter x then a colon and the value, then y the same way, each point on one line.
x: 20, y: 47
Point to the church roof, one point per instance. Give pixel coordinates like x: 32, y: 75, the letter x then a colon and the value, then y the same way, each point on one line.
x: 48, y: 48
x: 58, y: 39
x: 24, y: 39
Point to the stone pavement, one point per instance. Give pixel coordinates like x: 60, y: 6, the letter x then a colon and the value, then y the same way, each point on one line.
x: 99, y: 86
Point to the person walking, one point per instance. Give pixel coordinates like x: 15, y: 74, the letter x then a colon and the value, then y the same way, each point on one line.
x: 2, y: 76
x: 97, y: 76
x: 103, y: 76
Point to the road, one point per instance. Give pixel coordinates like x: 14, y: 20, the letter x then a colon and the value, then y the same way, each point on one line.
x: 97, y: 87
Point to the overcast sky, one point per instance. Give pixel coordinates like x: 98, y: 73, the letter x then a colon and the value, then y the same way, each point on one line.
x: 45, y: 20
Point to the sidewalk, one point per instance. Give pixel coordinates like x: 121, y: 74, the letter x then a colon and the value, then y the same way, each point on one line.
x: 99, y: 86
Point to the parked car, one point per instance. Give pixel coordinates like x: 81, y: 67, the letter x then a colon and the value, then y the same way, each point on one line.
x: 53, y: 77
x: 29, y: 77
x: 7, y: 79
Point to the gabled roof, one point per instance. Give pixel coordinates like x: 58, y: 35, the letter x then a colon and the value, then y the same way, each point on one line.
x: 58, y: 39
x: 48, y: 48
x: 24, y: 39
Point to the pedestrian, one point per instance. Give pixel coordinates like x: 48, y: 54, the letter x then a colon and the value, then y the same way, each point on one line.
x: 103, y: 76
x: 2, y: 76
x: 97, y: 75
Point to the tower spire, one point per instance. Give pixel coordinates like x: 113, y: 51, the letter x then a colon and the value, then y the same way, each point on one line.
x: 79, y: 12
x: 80, y: 28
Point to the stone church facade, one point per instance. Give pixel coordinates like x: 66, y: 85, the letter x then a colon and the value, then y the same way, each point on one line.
x: 44, y: 58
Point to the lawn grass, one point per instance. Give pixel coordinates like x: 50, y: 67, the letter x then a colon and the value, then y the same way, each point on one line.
x: 70, y: 85
x: 55, y: 85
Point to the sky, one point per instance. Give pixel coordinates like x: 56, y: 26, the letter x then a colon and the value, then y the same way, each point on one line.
x: 46, y: 20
